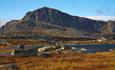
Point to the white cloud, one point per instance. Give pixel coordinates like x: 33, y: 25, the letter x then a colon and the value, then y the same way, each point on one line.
x: 104, y: 18
x: 3, y: 22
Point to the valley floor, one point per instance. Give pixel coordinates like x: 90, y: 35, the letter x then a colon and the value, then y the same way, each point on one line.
x: 65, y: 61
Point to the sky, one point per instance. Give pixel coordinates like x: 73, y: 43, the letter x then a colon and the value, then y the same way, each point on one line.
x: 94, y: 9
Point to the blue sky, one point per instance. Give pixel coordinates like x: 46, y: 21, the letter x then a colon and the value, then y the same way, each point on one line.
x: 16, y: 9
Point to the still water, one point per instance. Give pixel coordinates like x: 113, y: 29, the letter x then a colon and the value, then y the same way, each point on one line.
x: 92, y: 48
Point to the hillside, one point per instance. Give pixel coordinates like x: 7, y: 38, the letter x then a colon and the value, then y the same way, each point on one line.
x: 50, y: 20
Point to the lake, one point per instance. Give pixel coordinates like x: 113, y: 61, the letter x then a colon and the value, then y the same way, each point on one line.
x: 91, y: 48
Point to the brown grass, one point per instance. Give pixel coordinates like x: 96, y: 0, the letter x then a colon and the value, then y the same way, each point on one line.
x: 89, y: 42
x: 66, y: 61
x: 26, y: 42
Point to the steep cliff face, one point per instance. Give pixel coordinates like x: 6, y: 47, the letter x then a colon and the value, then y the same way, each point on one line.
x: 54, y: 20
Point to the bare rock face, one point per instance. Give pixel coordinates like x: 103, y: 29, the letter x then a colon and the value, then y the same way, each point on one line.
x: 54, y: 20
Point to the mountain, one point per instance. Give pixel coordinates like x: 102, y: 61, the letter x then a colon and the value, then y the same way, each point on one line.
x: 54, y: 21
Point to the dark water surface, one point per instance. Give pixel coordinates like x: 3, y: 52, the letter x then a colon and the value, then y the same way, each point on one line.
x: 92, y: 48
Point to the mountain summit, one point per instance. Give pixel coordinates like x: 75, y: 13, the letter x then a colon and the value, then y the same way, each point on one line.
x: 51, y: 20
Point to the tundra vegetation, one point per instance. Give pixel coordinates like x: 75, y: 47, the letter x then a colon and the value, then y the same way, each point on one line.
x: 65, y: 61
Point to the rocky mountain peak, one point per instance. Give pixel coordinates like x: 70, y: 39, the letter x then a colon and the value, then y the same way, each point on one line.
x: 49, y: 19
x: 44, y: 11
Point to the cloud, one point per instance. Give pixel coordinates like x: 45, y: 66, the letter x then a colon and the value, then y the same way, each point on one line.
x: 100, y: 12
x: 104, y: 18
x: 3, y: 22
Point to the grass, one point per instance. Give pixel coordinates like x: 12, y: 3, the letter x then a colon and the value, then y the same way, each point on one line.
x: 26, y: 42
x: 13, y: 42
x: 66, y: 61
x: 90, y: 42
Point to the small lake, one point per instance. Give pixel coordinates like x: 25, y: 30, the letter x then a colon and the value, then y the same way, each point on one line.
x: 82, y: 48
x: 91, y: 48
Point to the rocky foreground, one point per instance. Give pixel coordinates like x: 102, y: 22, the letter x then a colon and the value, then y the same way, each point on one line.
x: 65, y: 61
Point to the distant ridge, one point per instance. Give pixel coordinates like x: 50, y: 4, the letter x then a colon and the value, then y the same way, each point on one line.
x: 54, y: 21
